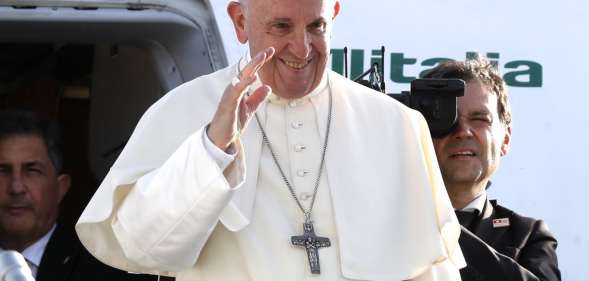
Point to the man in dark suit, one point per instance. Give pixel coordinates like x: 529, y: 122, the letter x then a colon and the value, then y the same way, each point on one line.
x: 497, y: 243
x: 31, y: 188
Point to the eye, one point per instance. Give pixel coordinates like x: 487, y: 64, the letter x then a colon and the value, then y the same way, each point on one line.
x: 317, y: 27
x: 483, y: 120
x: 34, y: 170
x: 280, y: 28
x: 280, y: 25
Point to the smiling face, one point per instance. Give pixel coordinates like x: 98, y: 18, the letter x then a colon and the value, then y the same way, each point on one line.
x: 471, y: 153
x: 299, y: 31
x: 30, y: 191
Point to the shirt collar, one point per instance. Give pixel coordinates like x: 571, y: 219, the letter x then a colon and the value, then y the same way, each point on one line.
x: 476, y: 204
x: 34, y: 253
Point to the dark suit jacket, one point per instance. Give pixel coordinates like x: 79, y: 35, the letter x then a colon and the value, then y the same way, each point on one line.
x: 524, y: 250
x: 65, y: 259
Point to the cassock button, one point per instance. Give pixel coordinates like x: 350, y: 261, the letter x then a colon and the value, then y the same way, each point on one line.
x: 299, y: 147
x: 305, y: 196
x: 296, y: 124
x: 302, y: 172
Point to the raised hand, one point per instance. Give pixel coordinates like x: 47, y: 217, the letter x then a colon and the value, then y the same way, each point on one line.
x: 236, y: 108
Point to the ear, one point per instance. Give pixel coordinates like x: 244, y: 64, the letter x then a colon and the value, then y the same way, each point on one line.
x: 506, y: 141
x: 336, y: 9
x: 237, y: 14
x: 64, y: 182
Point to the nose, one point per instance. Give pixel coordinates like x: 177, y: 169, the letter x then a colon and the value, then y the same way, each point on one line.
x: 16, y: 184
x: 300, y: 44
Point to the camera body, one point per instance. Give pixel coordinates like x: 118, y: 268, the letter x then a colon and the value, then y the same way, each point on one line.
x: 436, y: 99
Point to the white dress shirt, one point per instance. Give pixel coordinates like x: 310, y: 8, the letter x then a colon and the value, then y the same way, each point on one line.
x: 476, y: 204
x: 34, y: 253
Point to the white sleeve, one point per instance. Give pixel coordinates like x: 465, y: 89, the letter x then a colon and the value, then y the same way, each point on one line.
x: 442, y: 271
x: 167, y: 217
x: 221, y: 157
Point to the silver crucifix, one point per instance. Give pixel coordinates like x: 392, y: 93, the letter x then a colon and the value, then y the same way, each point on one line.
x: 312, y: 243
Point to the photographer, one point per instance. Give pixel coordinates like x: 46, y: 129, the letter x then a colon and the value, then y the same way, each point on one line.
x: 498, y: 244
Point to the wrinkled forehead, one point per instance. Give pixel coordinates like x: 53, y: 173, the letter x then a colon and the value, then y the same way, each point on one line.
x: 23, y: 148
x: 290, y: 8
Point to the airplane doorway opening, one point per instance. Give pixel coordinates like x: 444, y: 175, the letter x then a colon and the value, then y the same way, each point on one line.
x: 96, y: 92
x: 97, y: 68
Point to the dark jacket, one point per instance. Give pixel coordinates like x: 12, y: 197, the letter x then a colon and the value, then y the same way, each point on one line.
x: 523, y: 250
x: 65, y: 259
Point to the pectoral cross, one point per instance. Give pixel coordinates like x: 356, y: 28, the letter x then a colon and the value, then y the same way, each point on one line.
x: 312, y: 243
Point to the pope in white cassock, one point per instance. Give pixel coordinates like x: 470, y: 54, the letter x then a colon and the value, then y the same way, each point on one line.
x: 277, y: 169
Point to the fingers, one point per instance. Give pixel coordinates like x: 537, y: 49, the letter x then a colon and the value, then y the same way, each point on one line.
x: 257, y: 97
x: 237, y: 89
x: 250, y: 105
x: 248, y: 74
x: 257, y: 62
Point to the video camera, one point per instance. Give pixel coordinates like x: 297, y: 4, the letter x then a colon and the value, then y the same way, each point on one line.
x: 436, y: 99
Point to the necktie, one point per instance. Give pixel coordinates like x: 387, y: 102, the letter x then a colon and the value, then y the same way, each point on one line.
x: 466, y: 218
x: 13, y: 266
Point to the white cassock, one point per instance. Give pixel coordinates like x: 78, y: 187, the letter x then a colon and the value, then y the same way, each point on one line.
x: 168, y: 207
